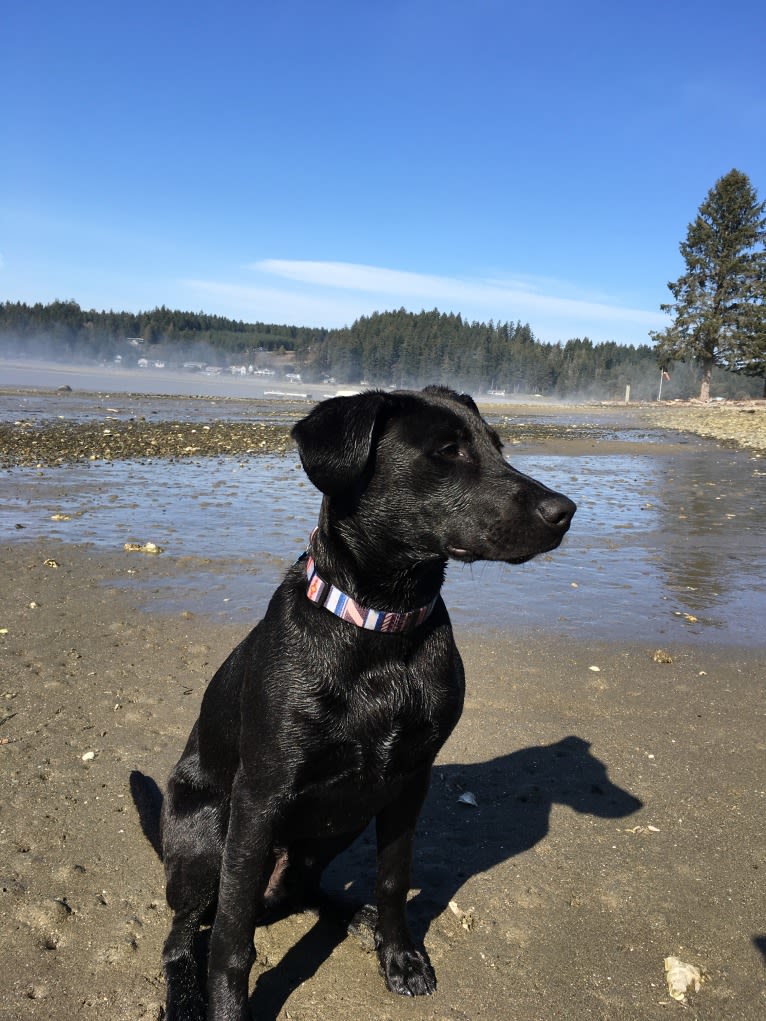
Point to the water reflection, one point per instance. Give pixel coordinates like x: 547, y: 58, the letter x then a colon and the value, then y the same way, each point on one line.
x: 666, y: 544
x: 715, y: 512
x: 664, y: 547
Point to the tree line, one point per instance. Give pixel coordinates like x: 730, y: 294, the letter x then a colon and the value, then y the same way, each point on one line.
x: 395, y: 348
x: 391, y: 348
x: 404, y: 348
x: 63, y: 329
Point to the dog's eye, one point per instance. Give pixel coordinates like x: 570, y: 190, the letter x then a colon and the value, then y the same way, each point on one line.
x: 452, y: 452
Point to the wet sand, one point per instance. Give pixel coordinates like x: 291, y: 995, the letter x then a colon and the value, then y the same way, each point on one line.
x: 567, y: 897
x: 555, y: 896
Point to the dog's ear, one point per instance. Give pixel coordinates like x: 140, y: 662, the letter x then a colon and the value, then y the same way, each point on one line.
x: 335, y: 440
x: 444, y: 391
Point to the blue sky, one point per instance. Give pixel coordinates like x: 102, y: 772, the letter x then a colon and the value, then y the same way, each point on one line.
x: 308, y: 163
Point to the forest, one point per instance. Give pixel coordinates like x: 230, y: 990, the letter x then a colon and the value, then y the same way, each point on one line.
x: 399, y: 348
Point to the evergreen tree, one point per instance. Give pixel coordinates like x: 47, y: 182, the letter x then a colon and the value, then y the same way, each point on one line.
x: 720, y: 302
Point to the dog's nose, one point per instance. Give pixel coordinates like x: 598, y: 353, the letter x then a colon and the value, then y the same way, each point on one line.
x: 557, y: 511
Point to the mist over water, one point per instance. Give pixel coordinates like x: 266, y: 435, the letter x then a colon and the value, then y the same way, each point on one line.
x: 48, y: 353
x: 117, y: 380
x: 111, y: 379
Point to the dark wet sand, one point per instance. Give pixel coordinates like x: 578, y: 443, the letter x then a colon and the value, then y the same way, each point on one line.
x: 567, y: 898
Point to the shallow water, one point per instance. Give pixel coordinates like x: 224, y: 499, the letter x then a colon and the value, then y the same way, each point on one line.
x: 668, y: 544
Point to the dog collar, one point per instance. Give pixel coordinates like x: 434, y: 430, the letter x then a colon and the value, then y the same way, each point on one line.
x: 343, y: 606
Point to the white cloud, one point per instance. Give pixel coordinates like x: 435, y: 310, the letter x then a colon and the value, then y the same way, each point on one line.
x: 335, y: 293
x: 277, y: 305
x: 349, y: 276
x: 377, y: 280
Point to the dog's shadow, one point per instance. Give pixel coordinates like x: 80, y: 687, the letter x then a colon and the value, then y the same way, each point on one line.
x: 456, y: 839
x: 480, y: 815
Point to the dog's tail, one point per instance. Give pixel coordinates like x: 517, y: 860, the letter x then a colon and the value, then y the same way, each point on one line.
x: 147, y: 797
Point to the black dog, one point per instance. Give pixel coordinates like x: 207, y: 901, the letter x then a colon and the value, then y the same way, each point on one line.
x: 319, y: 721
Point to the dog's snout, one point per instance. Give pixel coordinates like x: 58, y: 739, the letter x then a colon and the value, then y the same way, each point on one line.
x: 557, y: 511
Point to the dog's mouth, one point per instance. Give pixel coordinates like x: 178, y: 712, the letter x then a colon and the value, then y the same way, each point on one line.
x: 466, y: 556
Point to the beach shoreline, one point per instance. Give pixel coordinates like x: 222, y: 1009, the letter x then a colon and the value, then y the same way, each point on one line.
x: 158, y: 427
x: 738, y: 422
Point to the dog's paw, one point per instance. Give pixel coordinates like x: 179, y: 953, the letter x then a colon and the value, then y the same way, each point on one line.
x: 407, y: 971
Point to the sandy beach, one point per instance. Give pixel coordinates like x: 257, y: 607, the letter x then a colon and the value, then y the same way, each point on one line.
x: 619, y: 818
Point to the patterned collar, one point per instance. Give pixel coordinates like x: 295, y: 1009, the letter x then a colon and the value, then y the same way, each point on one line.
x: 343, y: 606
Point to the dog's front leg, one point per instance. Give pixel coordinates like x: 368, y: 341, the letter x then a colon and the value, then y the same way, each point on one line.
x: 247, y: 863
x: 407, y: 969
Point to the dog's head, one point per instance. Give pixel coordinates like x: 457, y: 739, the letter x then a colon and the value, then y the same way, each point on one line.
x: 423, y: 472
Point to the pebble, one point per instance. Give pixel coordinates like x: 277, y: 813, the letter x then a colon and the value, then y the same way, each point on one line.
x: 67, y: 442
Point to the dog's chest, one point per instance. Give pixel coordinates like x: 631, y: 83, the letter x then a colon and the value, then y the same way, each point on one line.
x: 379, y: 740
x: 386, y: 745
x: 362, y: 750
x: 349, y: 781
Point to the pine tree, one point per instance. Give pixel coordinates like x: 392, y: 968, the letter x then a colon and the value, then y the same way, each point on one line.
x: 720, y: 302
